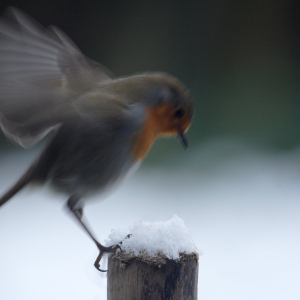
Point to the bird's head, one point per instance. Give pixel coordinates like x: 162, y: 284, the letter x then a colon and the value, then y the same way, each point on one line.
x: 169, y: 107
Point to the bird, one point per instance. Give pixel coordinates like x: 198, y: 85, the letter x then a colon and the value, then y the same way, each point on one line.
x: 100, y: 127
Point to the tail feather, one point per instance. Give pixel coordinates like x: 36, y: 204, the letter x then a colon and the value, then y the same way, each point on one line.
x: 23, y: 181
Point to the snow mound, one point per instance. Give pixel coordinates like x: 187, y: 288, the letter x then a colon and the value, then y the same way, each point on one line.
x: 169, y: 238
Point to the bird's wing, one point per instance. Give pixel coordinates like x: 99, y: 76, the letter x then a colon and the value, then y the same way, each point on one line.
x: 42, y: 73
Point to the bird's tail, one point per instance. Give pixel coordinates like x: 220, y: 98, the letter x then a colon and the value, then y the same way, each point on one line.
x: 23, y: 181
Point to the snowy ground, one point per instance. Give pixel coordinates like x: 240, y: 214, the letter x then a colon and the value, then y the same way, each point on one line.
x: 243, y: 211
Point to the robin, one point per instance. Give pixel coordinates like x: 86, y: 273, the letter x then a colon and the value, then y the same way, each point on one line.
x: 101, y: 127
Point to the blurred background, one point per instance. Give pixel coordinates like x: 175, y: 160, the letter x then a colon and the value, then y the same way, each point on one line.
x: 240, y: 59
x: 236, y: 187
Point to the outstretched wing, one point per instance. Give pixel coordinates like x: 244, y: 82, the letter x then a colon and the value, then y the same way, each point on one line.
x: 41, y: 73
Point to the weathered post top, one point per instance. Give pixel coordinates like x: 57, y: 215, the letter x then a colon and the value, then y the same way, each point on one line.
x: 159, y: 261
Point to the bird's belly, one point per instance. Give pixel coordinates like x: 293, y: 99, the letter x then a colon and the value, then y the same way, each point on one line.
x: 85, y: 179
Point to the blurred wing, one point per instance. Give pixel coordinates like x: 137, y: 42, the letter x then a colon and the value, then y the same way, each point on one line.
x: 42, y: 73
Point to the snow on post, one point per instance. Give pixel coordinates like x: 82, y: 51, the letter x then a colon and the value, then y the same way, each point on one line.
x: 159, y: 260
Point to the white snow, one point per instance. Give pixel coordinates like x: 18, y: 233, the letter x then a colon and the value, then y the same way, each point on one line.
x: 169, y: 238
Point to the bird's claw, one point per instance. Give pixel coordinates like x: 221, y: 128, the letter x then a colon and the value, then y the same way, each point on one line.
x: 103, y: 250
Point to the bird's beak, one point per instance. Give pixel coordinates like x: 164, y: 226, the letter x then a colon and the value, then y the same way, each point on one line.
x: 182, y: 139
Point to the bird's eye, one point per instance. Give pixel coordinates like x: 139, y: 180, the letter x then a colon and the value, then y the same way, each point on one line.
x: 179, y: 113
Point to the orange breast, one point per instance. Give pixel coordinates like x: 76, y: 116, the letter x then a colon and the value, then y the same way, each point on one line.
x: 159, y: 121
x: 146, y: 137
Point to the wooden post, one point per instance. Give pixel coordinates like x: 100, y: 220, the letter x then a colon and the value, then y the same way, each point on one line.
x: 152, y: 278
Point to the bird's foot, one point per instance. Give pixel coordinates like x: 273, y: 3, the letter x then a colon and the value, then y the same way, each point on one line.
x: 103, y: 250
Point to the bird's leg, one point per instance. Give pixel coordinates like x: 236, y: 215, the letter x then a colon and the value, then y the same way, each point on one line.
x: 77, y: 210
